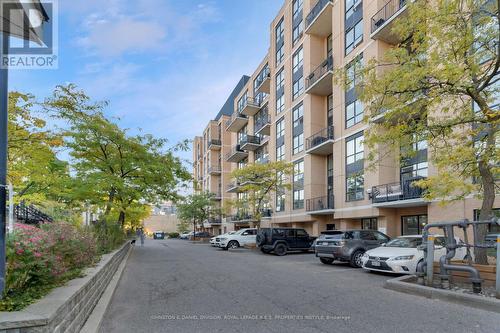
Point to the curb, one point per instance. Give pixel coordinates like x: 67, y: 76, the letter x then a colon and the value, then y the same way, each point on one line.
x: 94, y: 320
x: 400, y: 284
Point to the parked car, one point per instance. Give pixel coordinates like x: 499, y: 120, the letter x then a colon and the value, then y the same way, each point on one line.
x: 202, y: 234
x: 348, y: 245
x: 186, y: 235
x: 239, y: 238
x: 402, y: 254
x: 158, y: 235
x: 282, y: 240
x: 214, y: 241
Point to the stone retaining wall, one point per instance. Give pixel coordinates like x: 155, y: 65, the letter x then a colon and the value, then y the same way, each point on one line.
x: 65, y: 309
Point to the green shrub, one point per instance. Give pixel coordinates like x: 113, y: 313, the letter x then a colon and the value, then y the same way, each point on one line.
x: 39, y: 259
x: 108, y: 236
x: 173, y: 235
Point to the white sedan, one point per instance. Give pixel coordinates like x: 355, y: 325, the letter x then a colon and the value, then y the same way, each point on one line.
x: 401, y: 254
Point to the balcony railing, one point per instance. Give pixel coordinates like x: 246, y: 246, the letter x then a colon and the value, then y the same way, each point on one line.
x: 241, y: 217
x: 249, y: 102
x: 385, y: 13
x: 313, y: 14
x: 214, y: 142
x: 236, y: 154
x: 319, y: 72
x: 266, y: 212
x: 319, y: 203
x: 236, y: 122
x: 214, y: 169
x: 319, y: 138
x: 396, y: 191
x: 214, y: 220
x: 250, y: 139
x: 261, y: 122
x: 264, y: 75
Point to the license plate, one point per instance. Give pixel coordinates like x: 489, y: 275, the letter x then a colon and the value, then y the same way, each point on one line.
x: 375, y: 263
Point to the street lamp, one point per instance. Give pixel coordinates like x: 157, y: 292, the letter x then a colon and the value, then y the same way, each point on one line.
x: 24, y: 20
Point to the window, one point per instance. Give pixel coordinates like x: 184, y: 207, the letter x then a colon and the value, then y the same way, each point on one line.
x: 413, y: 225
x: 350, y: 6
x: 301, y: 233
x: 415, y: 164
x: 298, y: 185
x: 353, y: 71
x: 280, y: 202
x: 280, y: 128
x: 242, y: 101
x: 355, y: 167
x: 298, y: 129
x: 354, y: 149
x: 280, y: 41
x: 353, y: 37
x: 330, y: 226
x: 297, y: 26
x: 280, y: 92
x: 280, y: 153
x: 369, y: 223
x: 353, y: 113
x: 297, y: 73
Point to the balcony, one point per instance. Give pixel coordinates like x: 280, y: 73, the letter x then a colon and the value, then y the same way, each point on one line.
x: 320, y: 143
x: 266, y: 213
x: 250, y: 106
x: 215, y: 170
x: 233, y: 187
x: 397, y: 195
x: 320, y: 205
x: 263, y: 81
x: 382, y: 22
x: 242, y: 218
x: 236, y: 154
x: 320, y: 81
x: 250, y: 142
x: 319, y: 20
x: 214, y: 144
x: 263, y: 125
x: 213, y: 221
x: 237, y: 122
x: 216, y: 195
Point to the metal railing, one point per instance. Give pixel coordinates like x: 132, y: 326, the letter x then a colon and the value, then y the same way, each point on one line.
x: 241, y: 217
x: 266, y: 212
x: 261, y: 122
x: 396, y: 191
x: 318, y: 7
x: 29, y: 214
x: 318, y: 138
x: 385, y: 13
x: 326, y: 65
x: 265, y: 74
x: 234, y: 150
x: 319, y: 203
x: 214, y: 142
x: 215, y: 220
x: 249, y: 101
x: 252, y: 139
x: 233, y: 118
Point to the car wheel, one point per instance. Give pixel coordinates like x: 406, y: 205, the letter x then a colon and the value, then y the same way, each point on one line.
x: 326, y: 261
x: 233, y: 245
x: 280, y: 249
x: 356, y: 259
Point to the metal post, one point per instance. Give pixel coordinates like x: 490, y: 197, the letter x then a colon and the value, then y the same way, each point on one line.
x: 4, y: 103
x: 498, y: 267
x: 11, y: 208
x: 430, y: 260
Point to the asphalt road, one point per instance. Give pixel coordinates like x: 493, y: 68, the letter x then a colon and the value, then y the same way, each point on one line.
x: 177, y: 286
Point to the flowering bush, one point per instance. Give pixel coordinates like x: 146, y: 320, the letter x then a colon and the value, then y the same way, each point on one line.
x: 41, y: 258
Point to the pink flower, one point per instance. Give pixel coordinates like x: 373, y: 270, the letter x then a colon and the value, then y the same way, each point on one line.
x: 38, y: 254
x: 19, y: 251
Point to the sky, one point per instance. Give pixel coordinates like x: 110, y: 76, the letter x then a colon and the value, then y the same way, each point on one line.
x: 165, y: 66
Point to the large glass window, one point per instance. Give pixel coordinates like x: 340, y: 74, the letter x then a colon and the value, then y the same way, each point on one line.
x: 298, y: 185
x: 369, y: 223
x: 353, y: 37
x: 355, y: 184
x: 353, y: 71
x: 280, y: 34
x: 415, y: 165
x: 413, y: 225
x: 350, y: 5
x: 355, y: 179
x: 280, y: 92
x: 354, y: 149
x: 280, y: 128
x: 298, y: 129
x: 353, y: 113
x: 297, y: 73
x: 297, y: 26
x: 280, y: 153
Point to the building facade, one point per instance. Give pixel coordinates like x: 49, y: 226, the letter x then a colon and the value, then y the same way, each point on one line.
x: 290, y: 109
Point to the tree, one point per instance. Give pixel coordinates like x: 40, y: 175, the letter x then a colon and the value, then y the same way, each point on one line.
x: 117, y: 171
x: 196, y: 208
x: 425, y: 89
x: 259, y: 181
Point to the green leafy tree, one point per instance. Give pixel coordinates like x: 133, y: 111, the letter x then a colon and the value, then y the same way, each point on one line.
x: 259, y: 181
x: 425, y: 88
x: 115, y: 170
x: 197, y: 208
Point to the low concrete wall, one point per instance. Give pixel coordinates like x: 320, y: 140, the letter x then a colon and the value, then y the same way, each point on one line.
x: 65, y: 309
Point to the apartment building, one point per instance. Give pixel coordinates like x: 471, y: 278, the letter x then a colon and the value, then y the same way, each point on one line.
x: 290, y: 109
x: 211, y: 171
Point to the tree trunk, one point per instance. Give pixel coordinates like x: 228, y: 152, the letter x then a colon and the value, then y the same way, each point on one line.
x: 486, y: 210
x: 111, y: 199
x: 121, y: 218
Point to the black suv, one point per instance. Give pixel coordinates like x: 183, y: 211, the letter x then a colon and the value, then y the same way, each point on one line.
x: 282, y: 240
x: 347, y: 245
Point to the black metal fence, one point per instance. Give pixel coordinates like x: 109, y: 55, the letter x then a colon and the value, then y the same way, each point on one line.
x: 318, y: 7
x: 320, y: 203
x: 386, y: 12
x: 324, y: 67
x: 29, y: 214
x: 318, y: 138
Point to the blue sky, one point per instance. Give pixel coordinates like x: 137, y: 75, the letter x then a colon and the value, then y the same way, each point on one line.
x: 165, y: 66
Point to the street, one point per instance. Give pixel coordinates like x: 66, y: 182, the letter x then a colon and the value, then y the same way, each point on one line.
x: 178, y: 286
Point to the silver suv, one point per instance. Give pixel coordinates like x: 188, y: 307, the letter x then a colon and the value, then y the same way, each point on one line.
x: 347, y: 245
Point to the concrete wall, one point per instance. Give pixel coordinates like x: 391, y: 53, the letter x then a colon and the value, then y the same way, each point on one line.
x: 66, y: 308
